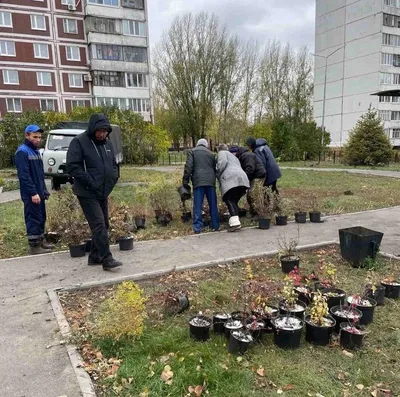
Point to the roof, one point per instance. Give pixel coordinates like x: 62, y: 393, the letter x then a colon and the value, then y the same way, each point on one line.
x: 66, y: 132
x: 395, y: 92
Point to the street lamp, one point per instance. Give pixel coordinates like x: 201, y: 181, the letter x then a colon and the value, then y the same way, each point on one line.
x: 324, y: 97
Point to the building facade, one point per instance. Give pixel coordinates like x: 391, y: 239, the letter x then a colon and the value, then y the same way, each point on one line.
x: 58, y: 54
x: 359, y: 40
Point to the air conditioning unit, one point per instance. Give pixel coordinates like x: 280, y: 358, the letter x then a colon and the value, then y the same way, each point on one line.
x: 87, y: 77
x: 71, y: 7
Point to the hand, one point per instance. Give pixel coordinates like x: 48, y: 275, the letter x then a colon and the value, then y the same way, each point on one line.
x: 36, y: 199
x: 46, y: 195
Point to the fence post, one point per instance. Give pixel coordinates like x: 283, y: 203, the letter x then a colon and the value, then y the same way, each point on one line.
x: 334, y: 157
x: 169, y: 158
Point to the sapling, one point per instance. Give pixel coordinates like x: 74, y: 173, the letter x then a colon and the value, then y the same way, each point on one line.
x: 319, y: 309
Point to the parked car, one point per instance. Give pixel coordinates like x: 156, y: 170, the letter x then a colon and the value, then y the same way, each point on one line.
x: 57, y: 144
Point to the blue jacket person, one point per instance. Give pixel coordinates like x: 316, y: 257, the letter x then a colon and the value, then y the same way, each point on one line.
x: 33, y: 189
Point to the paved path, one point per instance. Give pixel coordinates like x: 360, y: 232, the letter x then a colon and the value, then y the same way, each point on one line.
x: 28, y: 368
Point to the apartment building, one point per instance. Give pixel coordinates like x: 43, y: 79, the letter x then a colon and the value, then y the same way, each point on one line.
x: 58, y: 54
x: 359, y: 40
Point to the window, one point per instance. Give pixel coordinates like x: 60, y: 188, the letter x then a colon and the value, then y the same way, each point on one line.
x: 10, y: 77
x: 392, y: 3
x: 386, y: 78
x: 109, y: 79
x: 138, y: 4
x: 104, y: 2
x: 390, y: 20
x: 73, y: 53
x: 137, y: 80
x: 14, y: 105
x: 68, y: 2
x: 395, y: 116
x: 78, y: 103
x: 47, y: 104
x: 7, y: 48
x: 396, y: 133
x: 139, y: 105
x: 106, y: 25
x: 135, y: 54
x: 38, y: 22
x: 70, y: 26
x: 107, y: 52
x: 5, y: 20
x: 75, y: 80
x: 387, y: 59
x: 43, y: 78
x: 384, y: 115
x: 396, y: 78
x: 106, y: 101
x: 391, y: 40
x: 385, y: 99
x: 41, y: 51
x: 134, y: 28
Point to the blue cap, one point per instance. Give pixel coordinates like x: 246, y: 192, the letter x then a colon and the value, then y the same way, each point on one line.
x: 32, y: 128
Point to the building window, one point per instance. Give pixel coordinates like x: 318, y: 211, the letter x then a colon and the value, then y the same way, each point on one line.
x: 75, y: 80
x: 47, y: 105
x: 134, y: 28
x: 38, y: 22
x: 14, y: 105
x: 106, y: 25
x: 387, y: 59
x: 78, y: 103
x: 43, y: 78
x: 7, y: 48
x: 391, y: 40
x: 118, y: 102
x: 107, y: 52
x: 5, y: 20
x: 70, y: 26
x: 384, y: 115
x: 41, y: 51
x: 386, y: 78
x: 137, y: 80
x: 395, y: 115
x: 138, y: 4
x: 392, y: 3
x: 10, y: 77
x: 135, y: 54
x: 139, y: 105
x: 68, y: 2
x: 73, y: 53
x: 109, y: 79
x: 396, y: 133
x: 113, y: 3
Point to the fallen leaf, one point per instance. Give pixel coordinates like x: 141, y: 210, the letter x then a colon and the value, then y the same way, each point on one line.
x: 239, y: 359
x: 341, y: 375
x: 348, y: 354
x: 319, y: 395
x: 260, y: 371
x: 224, y: 366
x: 181, y: 359
x: 346, y: 393
x: 360, y: 386
x: 167, y: 375
x: 374, y: 393
x: 288, y: 387
x: 279, y: 391
x: 198, y: 368
x: 198, y: 390
x: 163, y: 359
x: 99, y: 356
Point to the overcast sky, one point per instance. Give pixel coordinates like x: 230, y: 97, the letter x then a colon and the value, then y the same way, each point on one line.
x: 285, y: 20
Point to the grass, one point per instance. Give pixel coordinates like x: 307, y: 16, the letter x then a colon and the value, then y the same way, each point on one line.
x: 366, y: 193
x: 306, y: 371
x: 338, y: 165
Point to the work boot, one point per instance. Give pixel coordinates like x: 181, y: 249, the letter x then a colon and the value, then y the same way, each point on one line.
x: 94, y: 262
x: 36, y: 250
x: 111, y: 264
x: 46, y: 245
x: 234, y: 223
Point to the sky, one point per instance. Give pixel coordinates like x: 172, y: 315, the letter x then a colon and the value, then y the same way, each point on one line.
x: 285, y: 20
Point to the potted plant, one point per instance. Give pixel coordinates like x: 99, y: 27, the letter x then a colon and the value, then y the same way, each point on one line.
x: 392, y: 282
x: 121, y: 226
x: 263, y: 205
x: 281, y: 210
x: 300, y: 216
x: 326, y: 275
x: 319, y: 324
x: 239, y: 341
x: 289, y: 303
x: 351, y: 336
x: 287, y: 331
x: 175, y: 301
x: 348, y: 314
x: 75, y: 235
x: 219, y: 320
x: 199, y: 328
x: 373, y: 288
x: 287, y: 255
x: 261, y: 308
x: 163, y: 200
x: 365, y: 305
x: 315, y: 213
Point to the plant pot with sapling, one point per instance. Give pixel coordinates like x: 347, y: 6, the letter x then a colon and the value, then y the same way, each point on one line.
x: 314, y: 213
x: 199, y: 328
x: 365, y: 305
x: 162, y: 196
x: 287, y: 331
x: 262, y: 197
x: 239, y: 341
x: 290, y: 305
x: 347, y: 314
x: 374, y: 289
x: 392, y: 282
x: 351, y: 336
x: 288, y: 253
x: 232, y: 325
x: 175, y: 301
x: 334, y: 296
x: 219, y: 320
x: 261, y: 308
x: 281, y: 210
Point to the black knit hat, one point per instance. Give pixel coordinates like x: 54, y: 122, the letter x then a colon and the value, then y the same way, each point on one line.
x: 251, y: 142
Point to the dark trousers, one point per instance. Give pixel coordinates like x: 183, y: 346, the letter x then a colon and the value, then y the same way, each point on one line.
x: 272, y: 185
x: 35, y: 220
x: 231, y: 199
x: 198, y: 198
x: 96, y: 213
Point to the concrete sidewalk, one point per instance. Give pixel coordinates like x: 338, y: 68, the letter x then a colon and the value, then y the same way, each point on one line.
x: 30, y: 369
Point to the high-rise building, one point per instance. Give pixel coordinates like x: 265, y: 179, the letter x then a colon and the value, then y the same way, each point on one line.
x: 58, y: 54
x: 360, y: 42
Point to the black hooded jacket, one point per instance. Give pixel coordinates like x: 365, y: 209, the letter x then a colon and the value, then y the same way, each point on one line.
x: 251, y: 164
x: 92, y: 163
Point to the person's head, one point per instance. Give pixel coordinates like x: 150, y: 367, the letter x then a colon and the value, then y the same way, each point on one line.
x: 251, y: 143
x: 99, y: 128
x: 202, y: 142
x: 101, y: 134
x: 33, y: 133
x: 234, y: 149
x: 222, y: 146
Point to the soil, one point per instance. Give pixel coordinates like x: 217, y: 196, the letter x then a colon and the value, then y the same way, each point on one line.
x: 234, y: 324
x: 359, y: 301
x: 199, y: 322
x: 296, y: 308
x: 255, y: 325
x: 242, y: 337
x: 222, y: 316
x: 288, y: 323
x: 347, y: 314
x: 353, y: 330
x: 327, y: 323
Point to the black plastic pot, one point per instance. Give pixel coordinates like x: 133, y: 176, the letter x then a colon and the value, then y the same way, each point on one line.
x: 267, y: 318
x: 140, y: 222
x: 341, y: 319
x: 125, y: 243
x: 334, y: 300
x: 305, y: 297
x: 378, y: 295
x: 184, y: 303
x: 219, y: 320
x: 77, y: 250
x: 229, y: 326
x: 242, y: 212
x: 287, y: 338
x: 185, y: 192
x: 206, y: 222
x: 391, y: 291
x: 359, y: 243
x: 88, y: 245
x: 281, y: 220
x: 367, y: 311
x: 157, y: 214
x: 315, y: 217
x: 300, y: 217
x: 318, y: 335
x: 256, y: 329
x: 239, y: 342
x: 264, y: 224
x: 349, y: 340
x: 186, y: 216
x: 200, y: 332
x: 298, y: 314
x: 288, y: 263
x: 164, y: 219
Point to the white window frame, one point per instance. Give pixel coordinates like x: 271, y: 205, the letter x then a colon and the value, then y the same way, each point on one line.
x: 71, y: 53
x: 72, y: 80
x: 6, y: 76
x: 13, y: 101
x: 66, y: 25
x: 68, y: 2
x: 46, y: 107
x: 75, y: 103
x: 102, y: 4
x: 132, y: 76
x: 396, y: 133
x: 129, y: 25
x: 40, y: 79
x: 2, y: 20
x: 6, y: 47
x: 37, y: 50
x: 34, y: 20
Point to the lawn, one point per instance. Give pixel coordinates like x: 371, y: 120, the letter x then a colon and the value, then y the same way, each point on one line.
x: 134, y: 367
x: 336, y: 193
x: 337, y: 164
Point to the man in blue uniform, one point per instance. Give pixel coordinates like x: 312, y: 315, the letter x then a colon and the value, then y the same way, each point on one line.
x: 33, y: 189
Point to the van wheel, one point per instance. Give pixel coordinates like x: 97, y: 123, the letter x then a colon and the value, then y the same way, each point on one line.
x: 55, y: 184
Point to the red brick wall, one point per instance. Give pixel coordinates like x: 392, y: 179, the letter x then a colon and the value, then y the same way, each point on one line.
x: 22, y: 25
x: 63, y: 57
x: 67, y: 88
x: 61, y: 34
x: 25, y: 53
x: 27, y: 3
x: 60, y: 6
x: 27, y: 103
x: 27, y: 82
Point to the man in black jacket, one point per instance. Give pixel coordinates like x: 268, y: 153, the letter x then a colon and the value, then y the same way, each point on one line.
x: 91, y: 162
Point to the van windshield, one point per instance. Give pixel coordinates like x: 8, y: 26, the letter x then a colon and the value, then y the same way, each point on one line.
x: 59, y: 142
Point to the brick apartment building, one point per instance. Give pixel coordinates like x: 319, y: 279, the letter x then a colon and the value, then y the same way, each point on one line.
x: 58, y: 54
